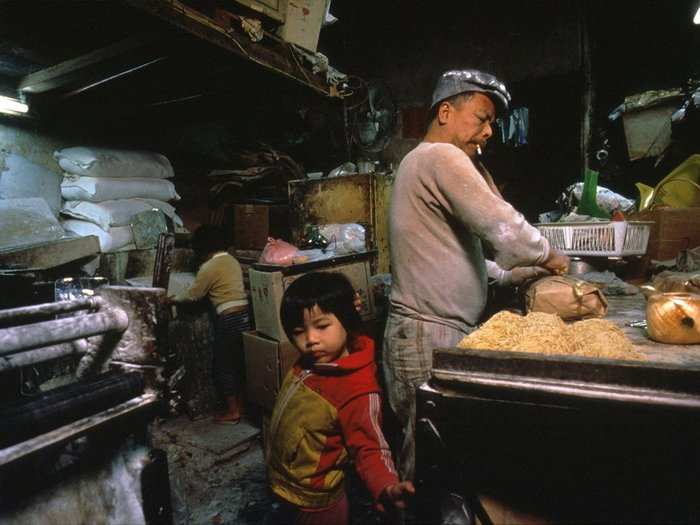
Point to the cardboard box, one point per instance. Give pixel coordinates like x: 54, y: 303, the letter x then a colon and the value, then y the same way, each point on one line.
x: 266, y: 363
x: 254, y: 223
x: 304, y: 19
x: 275, y: 9
x: 267, y: 288
x: 674, y: 229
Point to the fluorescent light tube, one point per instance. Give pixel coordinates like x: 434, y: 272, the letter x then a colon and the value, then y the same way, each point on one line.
x: 696, y: 18
x: 12, y: 106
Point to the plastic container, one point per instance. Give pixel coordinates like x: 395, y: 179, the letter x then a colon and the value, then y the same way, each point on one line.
x: 589, y: 203
x: 606, y: 239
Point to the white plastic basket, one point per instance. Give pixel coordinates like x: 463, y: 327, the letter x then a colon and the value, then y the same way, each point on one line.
x: 607, y: 239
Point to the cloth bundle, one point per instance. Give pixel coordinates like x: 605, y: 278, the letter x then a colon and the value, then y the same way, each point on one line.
x: 27, y: 221
x: 677, y: 282
x: 568, y: 297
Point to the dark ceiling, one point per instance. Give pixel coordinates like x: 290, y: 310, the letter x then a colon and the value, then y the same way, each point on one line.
x: 38, y: 34
x: 119, y: 58
x: 141, y: 63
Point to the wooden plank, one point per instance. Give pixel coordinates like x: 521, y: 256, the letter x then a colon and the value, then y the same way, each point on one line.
x: 384, y: 185
x: 65, y: 72
x: 46, y: 255
x: 272, y: 53
x: 161, y: 269
x: 275, y: 9
x: 588, y: 97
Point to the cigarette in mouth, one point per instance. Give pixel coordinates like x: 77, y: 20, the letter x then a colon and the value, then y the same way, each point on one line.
x: 478, y: 149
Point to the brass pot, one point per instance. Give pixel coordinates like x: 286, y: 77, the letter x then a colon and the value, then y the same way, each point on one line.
x: 674, y: 317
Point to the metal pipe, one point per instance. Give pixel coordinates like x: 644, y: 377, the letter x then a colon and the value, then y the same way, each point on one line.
x: 37, y: 335
x: 31, y: 357
x: 61, y: 307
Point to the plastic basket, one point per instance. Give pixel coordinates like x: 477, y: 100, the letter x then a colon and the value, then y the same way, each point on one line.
x: 606, y: 239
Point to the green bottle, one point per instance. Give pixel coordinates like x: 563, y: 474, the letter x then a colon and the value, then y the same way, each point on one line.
x: 589, y: 204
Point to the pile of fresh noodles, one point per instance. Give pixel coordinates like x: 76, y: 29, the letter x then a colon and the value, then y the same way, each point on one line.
x: 547, y: 334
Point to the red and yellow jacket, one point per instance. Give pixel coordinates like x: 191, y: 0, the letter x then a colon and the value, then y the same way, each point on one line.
x: 323, y: 417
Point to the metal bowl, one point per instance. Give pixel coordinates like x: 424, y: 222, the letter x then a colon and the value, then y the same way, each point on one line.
x: 578, y: 267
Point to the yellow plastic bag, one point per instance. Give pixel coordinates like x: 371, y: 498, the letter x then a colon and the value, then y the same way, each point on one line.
x: 678, y: 189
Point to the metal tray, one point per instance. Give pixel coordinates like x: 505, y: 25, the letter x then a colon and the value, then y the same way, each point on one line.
x: 565, y: 380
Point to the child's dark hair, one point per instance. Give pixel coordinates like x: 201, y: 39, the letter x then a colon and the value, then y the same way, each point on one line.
x: 331, y: 291
x: 208, y: 238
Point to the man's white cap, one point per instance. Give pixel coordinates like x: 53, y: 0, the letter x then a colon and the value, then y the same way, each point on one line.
x: 458, y: 81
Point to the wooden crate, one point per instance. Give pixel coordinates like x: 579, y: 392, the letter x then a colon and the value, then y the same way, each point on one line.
x: 674, y: 229
x: 254, y: 223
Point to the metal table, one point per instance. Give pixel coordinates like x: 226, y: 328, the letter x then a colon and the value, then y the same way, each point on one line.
x: 564, y: 439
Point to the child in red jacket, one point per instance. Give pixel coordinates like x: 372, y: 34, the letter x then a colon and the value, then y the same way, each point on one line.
x: 328, y: 410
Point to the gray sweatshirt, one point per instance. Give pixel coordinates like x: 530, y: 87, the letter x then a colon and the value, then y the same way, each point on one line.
x: 441, y: 210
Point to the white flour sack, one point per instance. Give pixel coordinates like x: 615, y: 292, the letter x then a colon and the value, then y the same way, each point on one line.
x: 96, y: 189
x: 116, y: 212
x: 110, y: 240
x: 21, y: 178
x: 105, y: 162
x: 27, y: 221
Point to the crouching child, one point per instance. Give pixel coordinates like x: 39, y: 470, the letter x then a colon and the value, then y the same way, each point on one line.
x: 328, y: 410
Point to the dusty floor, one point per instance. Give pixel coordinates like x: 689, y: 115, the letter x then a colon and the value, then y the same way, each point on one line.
x: 217, y: 474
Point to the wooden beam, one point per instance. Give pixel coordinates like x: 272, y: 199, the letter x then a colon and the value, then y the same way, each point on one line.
x: 49, y: 254
x: 588, y: 96
x: 65, y: 73
x: 271, y: 53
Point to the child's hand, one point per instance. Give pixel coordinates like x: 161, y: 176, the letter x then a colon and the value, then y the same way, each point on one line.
x: 168, y: 300
x: 357, y: 302
x: 396, y: 494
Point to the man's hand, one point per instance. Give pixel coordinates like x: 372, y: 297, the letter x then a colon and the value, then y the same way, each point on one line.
x: 557, y: 263
x: 396, y: 494
x: 520, y: 274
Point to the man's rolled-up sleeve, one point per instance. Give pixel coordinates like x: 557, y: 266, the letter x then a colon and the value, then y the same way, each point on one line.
x: 465, y: 194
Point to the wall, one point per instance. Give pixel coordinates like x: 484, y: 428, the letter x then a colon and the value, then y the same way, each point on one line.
x: 536, y: 47
x: 411, y: 43
x: 533, y: 46
x: 638, y: 46
x: 26, y: 139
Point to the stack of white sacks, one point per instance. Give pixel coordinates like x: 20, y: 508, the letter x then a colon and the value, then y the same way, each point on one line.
x: 104, y: 188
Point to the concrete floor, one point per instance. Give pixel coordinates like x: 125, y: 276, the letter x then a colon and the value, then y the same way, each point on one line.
x: 218, y: 475
x: 217, y: 472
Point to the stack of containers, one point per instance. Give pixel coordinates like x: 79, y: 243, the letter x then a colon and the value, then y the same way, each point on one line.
x: 105, y: 188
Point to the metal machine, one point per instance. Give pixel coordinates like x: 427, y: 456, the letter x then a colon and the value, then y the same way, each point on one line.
x: 556, y: 440
x: 79, y: 452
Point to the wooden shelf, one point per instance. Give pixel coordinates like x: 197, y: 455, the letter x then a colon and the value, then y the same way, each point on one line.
x: 271, y: 52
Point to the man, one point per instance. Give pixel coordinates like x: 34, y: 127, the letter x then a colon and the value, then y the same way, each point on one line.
x: 442, y: 208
